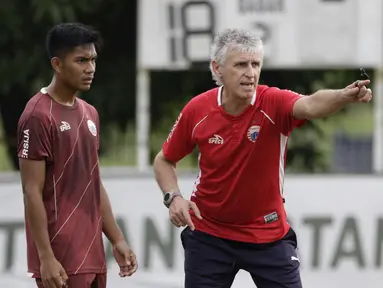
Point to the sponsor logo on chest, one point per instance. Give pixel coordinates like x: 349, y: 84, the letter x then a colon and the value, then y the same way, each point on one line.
x: 64, y: 126
x: 216, y: 139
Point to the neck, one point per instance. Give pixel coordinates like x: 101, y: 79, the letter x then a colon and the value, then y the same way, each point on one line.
x: 233, y: 105
x: 61, y: 93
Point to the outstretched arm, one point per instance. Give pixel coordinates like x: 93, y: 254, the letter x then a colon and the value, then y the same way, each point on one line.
x: 323, y: 103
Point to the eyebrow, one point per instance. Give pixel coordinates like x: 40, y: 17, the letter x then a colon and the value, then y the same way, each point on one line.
x: 247, y: 61
x: 87, y: 57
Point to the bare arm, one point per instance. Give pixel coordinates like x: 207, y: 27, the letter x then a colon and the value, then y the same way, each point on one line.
x: 165, y: 173
x: 166, y: 177
x: 33, y: 179
x: 178, y: 144
x: 323, y: 103
x: 109, y: 224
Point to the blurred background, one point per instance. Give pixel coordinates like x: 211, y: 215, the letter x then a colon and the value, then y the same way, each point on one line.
x: 155, y: 59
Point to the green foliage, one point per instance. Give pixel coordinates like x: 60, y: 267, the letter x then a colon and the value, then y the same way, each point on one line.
x: 25, y: 67
x: 24, y: 26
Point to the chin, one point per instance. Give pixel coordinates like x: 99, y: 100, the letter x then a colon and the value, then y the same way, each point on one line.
x: 246, y: 95
x: 250, y: 95
x: 84, y: 88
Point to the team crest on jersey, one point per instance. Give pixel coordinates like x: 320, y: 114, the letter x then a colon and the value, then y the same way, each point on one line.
x: 92, y: 128
x: 252, y: 133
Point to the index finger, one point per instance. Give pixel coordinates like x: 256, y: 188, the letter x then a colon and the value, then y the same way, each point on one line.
x: 48, y: 283
x: 134, y: 269
x: 197, y: 213
x: 187, y: 219
x: 63, y: 275
x: 134, y: 266
x: 129, y: 270
x: 57, y: 282
x: 361, y: 83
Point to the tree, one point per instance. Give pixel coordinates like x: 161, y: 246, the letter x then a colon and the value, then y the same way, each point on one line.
x: 24, y: 66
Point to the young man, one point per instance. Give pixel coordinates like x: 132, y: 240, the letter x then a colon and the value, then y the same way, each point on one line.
x: 236, y: 217
x: 66, y: 205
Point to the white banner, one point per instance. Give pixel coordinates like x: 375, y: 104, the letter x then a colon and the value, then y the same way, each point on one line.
x: 338, y: 220
x: 173, y: 34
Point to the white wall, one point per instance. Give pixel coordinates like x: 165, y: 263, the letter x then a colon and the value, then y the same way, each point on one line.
x: 349, y: 208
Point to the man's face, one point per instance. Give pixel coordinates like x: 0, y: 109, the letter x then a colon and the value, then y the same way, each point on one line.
x: 240, y: 72
x: 78, y: 67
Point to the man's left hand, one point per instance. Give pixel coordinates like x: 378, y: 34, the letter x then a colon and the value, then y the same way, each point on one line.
x: 358, y: 91
x: 125, y: 258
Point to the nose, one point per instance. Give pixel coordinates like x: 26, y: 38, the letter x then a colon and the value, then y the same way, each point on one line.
x: 250, y: 72
x: 90, y: 68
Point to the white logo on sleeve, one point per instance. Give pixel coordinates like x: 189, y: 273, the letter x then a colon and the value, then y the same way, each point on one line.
x: 24, y: 153
x: 293, y: 258
x: 92, y: 127
x: 64, y: 126
x: 174, y: 127
x: 216, y: 139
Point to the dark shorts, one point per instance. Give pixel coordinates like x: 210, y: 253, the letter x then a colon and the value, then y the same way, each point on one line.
x: 82, y: 281
x: 212, y: 262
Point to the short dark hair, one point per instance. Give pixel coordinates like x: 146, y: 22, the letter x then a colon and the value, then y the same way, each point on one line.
x: 64, y: 37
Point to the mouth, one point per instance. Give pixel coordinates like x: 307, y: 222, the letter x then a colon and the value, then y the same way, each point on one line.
x: 88, y: 81
x: 247, y: 85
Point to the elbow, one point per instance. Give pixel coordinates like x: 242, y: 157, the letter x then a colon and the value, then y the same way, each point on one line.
x: 32, y: 190
x: 160, y: 161
x: 31, y: 194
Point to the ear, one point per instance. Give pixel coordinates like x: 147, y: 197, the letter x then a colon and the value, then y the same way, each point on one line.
x: 216, y: 68
x: 56, y: 64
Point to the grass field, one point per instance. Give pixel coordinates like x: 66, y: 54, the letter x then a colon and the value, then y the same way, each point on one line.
x: 357, y: 121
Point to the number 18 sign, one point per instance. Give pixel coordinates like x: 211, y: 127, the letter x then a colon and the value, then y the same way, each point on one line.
x: 175, y: 34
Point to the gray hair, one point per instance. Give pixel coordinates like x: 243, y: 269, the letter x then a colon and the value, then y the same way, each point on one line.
x: 233, y: 39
